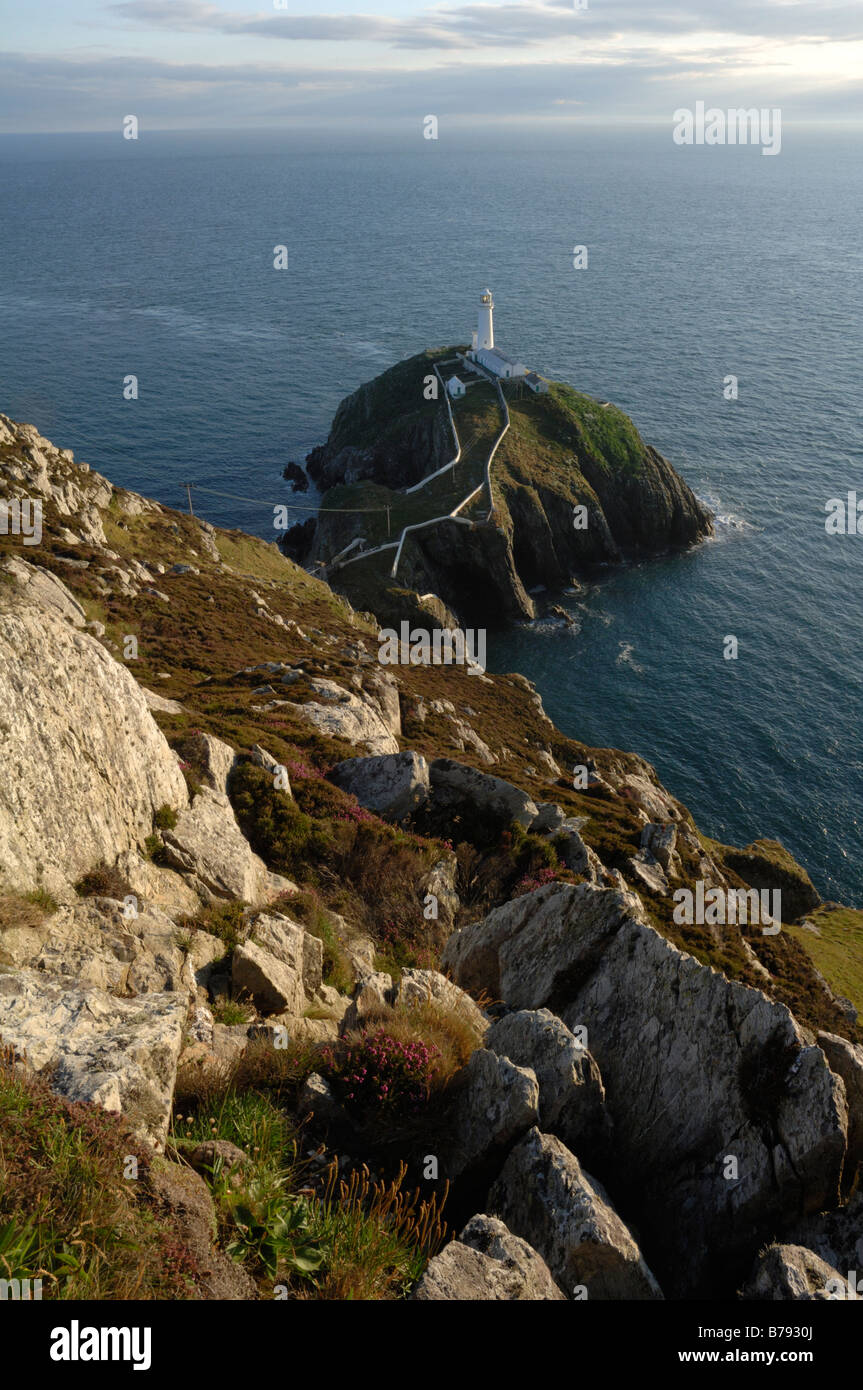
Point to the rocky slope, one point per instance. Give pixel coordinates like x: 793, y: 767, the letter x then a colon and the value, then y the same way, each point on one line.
x: 563, y: 450
x: 272, y: 916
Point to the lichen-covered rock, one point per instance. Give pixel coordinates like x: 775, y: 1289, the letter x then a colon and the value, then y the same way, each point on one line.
x: 153, y: 885
x: 491, y: 1237
x: 649, y: 872
x: 458, y: 788
x: 846, y: 1060
x: 545, y: 1196
x: 496, y: 1103
x: 549, y: 818
x: 84, y: 766
x: 273, y: 986
x: 361, y: 952
x: 293, y: 945
x: 216, y: 1152
x: 835, y: 1236
x: 43, y: 588
x: 698, y: 1070
x: 316, y: 1098
x: 214, y: 758
x: 441, y: 882
x: 793, y: 1272
x: 571, y: 1093
x: 208, y: 846
x: 93, y: 942
x: 487, y: 1263
x: 429, y: 986
x: 372, y: 996
x: 660, y: 840
x: 341, y: 713
x: 393, y: 786
x: 186, y: 1201
x: 120, y: 1054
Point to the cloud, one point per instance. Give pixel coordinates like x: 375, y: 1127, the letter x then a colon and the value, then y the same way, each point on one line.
x: 39, y: 92
x: 516, y: 25
x: 483, y: 62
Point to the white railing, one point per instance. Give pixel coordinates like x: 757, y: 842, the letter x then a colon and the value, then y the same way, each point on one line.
x: 454, y: 514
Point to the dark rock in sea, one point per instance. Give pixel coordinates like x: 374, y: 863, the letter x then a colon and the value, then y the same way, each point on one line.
x: 295, y: 475
x: 296, y: 541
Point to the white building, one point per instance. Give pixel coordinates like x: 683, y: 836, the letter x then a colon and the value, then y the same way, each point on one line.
x: 483, y: 349
x: 537, y: 383
x: 455, y: 386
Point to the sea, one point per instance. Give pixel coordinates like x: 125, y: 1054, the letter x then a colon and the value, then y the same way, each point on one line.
x: 154, y: 259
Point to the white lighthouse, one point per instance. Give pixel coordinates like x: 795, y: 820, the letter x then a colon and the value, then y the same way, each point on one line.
x: 485, y: 321
x: 483, y: 349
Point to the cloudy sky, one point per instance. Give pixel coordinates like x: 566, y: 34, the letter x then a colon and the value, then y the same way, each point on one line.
x: 190, y: 64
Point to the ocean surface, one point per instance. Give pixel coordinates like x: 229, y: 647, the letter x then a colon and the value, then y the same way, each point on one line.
x: 155, y: 259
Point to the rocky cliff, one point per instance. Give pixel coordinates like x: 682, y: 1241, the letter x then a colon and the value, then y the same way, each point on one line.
x: 262, y: 899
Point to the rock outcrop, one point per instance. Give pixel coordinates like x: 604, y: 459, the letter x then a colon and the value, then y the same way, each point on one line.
x: 726, y: 1121
x: 791, y: 1272
x: 85, y: 767
x: 545, y: 1196
x: 571, y: 1094
x: 120, y: 1054
x: 393, y: 786
x: 497, y: 1102
x: 487, y: 1263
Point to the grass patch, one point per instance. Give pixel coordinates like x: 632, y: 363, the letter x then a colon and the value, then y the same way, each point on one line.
x: 67, y: 1215
x: 103, y: 881
x: 836, y: 947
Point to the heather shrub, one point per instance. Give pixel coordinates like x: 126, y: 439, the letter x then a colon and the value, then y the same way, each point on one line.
x: 531, y: 882
x: 104, y: 881
x: 165, y: 818
x: 376, y: 1072
x: 289, y: 841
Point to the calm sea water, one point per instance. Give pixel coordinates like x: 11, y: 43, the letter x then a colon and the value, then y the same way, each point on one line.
x: 156, y: 259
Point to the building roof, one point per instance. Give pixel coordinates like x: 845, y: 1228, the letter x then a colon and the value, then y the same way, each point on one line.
x: 501, y: 356
x: 533, y: 377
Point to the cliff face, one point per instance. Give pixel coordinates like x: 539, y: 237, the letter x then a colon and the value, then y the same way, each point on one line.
x: 562, y: 451
x: 386, y: 431
x: 230, y: 832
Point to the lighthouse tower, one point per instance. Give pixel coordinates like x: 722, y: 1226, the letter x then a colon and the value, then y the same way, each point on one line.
x: 485, y: 324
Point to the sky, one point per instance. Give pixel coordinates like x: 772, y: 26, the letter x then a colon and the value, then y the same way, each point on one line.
x: 82, y: 65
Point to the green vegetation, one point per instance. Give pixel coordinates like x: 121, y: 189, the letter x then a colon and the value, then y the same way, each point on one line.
x: 67, y: 1214
x: 226, y: 920
x: 479, y: 420
x: 322, y: 1237
x: 835, y: 943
